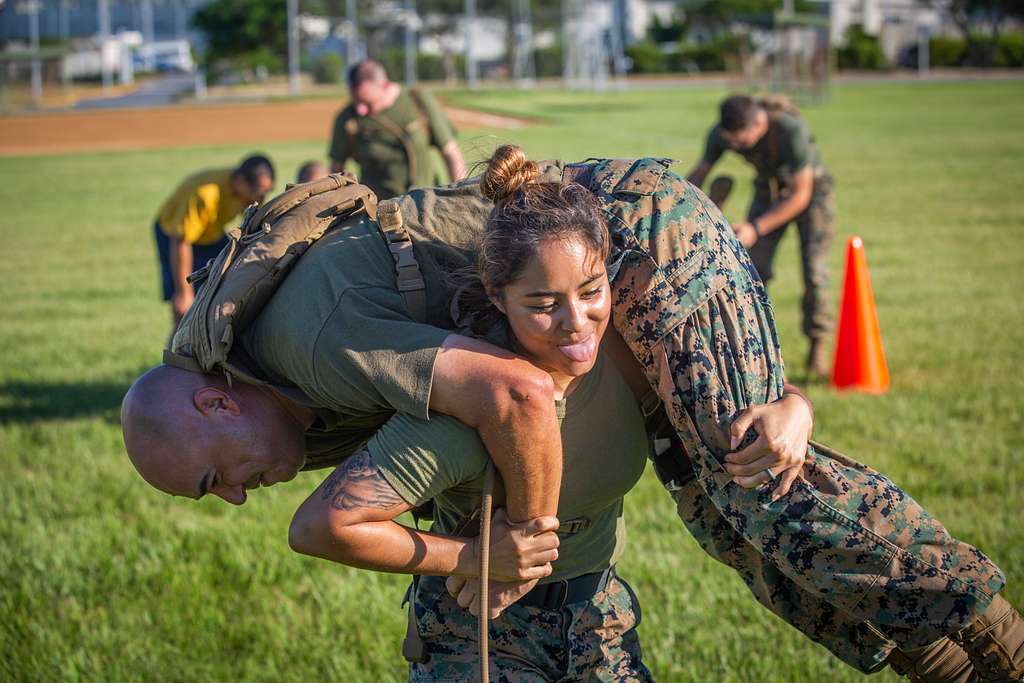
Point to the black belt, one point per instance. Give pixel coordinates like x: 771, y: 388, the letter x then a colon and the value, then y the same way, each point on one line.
x: 557, y: 594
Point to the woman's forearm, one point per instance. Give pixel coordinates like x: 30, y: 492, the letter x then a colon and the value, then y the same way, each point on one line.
x: 385, y: 546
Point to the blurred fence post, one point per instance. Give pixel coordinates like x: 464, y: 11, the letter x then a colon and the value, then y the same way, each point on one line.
x: 471, y: 71
x: 37, y: 67
x: 409, y: 44
x: 103, y: 19
x: 293, y: 47
x: 352, y: 45
x: 923, y: 57
x: 200, y: 84
x: 148, y: 31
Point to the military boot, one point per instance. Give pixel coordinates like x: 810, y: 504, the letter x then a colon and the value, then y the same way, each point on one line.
x: 818, y: 365
x: 941, y: 662
x: 995, y: 642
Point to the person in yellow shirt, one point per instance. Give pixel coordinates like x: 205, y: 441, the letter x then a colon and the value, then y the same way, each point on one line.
x: 190, y: 226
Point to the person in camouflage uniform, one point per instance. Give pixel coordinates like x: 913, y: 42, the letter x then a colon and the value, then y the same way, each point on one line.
x: 792, y: 185
x: 688, y: 302
x: 846, y: 557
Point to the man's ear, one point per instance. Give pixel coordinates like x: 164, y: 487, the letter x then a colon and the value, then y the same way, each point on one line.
x: 210, y: 401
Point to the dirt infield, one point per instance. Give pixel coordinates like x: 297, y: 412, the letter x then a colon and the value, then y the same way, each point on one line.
x: 200, y: 124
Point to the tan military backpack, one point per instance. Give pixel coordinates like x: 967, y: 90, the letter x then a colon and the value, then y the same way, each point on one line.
x: 239, y: 282
x: 775, y: 104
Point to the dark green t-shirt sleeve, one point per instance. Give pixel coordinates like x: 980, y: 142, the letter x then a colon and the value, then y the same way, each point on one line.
x: 796, y: 147
x: 338, y: 150
x: 423, y: 458
x: 441, y: 130
x: 714, y: 147
x: 369, y: 353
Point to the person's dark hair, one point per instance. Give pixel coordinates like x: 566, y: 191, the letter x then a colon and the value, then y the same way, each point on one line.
x: 365, y: 70
x: 526, y: 214
x: 255, y: 167
x: 310, y: 169
x: 738, y: 112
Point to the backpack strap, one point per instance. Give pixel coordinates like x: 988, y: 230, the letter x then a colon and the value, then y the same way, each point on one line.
x: 408, y: 276
x: 422, y: 120
x: 182, y: 362
x: 351, y: 128
x: 773, y: 153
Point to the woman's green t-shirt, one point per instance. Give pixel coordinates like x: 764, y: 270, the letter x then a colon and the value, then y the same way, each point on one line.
x: 604, y: 451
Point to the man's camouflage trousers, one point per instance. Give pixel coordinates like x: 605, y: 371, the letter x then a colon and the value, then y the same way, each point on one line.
x: 847, y: 557
x: 594, y: 640
x: 815, y: 227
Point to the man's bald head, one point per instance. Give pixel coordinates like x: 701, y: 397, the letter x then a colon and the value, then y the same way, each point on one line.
x: 370, y: 88
x: 188, y: 434
x: 366, y: 70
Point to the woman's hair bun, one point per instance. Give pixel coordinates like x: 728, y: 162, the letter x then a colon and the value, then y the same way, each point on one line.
x: 508, y: 171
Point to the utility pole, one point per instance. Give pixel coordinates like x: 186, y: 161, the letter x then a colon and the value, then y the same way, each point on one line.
x: 63, y: 20
x: 293, y: 47
x: 147, y: 32
x: 37, y: 66
x: 523, y: 71
x: 352, y: 45
x: 410, y: 45
x: 103, y: 18
x: 472, y: 76
x: 180, y: 14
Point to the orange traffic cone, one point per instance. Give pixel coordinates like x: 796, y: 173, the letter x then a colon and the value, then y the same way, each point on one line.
x: 859, y: 360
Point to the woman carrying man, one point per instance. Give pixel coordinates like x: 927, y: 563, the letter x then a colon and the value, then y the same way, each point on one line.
x: 833, y: 547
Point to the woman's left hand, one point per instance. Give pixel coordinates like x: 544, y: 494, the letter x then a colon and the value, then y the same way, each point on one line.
x: 784, y: 428
x: 500, y: 594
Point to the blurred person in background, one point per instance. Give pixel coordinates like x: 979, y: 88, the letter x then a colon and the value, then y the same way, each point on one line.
x: 792, y: 185
x: 190, y: 226
x: 388, y: 130
x: 310, y: 171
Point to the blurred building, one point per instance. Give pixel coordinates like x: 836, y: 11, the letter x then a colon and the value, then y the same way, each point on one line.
x: 156, y: 20
x: 896, y: 23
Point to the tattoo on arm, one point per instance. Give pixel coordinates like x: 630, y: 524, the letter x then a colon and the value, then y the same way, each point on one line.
x: 358, y: 484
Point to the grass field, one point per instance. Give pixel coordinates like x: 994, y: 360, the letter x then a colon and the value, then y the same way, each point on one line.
x: 103, y: 579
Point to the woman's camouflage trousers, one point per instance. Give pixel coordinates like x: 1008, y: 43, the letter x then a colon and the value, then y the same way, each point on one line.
x: 847, y: 557
x: 594, y: 640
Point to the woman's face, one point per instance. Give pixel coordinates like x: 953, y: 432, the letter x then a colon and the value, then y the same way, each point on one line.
x: 559, y: 306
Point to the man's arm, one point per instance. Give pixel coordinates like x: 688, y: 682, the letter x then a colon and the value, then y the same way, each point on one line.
x: 510, y: 402
x: 454, y: 161
x: 781, y: 212
x: 350, y: 519
x: 338, y: 151
x: 180, y: 255
x: 699, y: 173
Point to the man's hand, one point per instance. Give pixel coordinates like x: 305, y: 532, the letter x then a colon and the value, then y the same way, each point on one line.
x: 746, y: 233
x: 522, y: 551
x: 453, y: 160
x: 181, y: 301
x: 500, y: 595
x: 784, y: 427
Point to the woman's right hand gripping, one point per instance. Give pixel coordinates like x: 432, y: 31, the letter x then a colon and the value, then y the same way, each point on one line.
x: 521, y: 551
x: 521, y: 555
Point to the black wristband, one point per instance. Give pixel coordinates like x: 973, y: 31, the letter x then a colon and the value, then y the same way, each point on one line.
x: 757, y: 228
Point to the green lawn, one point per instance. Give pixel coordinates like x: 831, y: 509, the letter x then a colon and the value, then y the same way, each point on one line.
x: 103, y: 579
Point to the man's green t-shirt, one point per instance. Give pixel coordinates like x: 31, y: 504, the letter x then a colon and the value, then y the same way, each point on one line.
x: 604, y: 451
x: 337, y: 337
x: 376, y: 143
x: 338, y: 333
x: 784, y: 149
